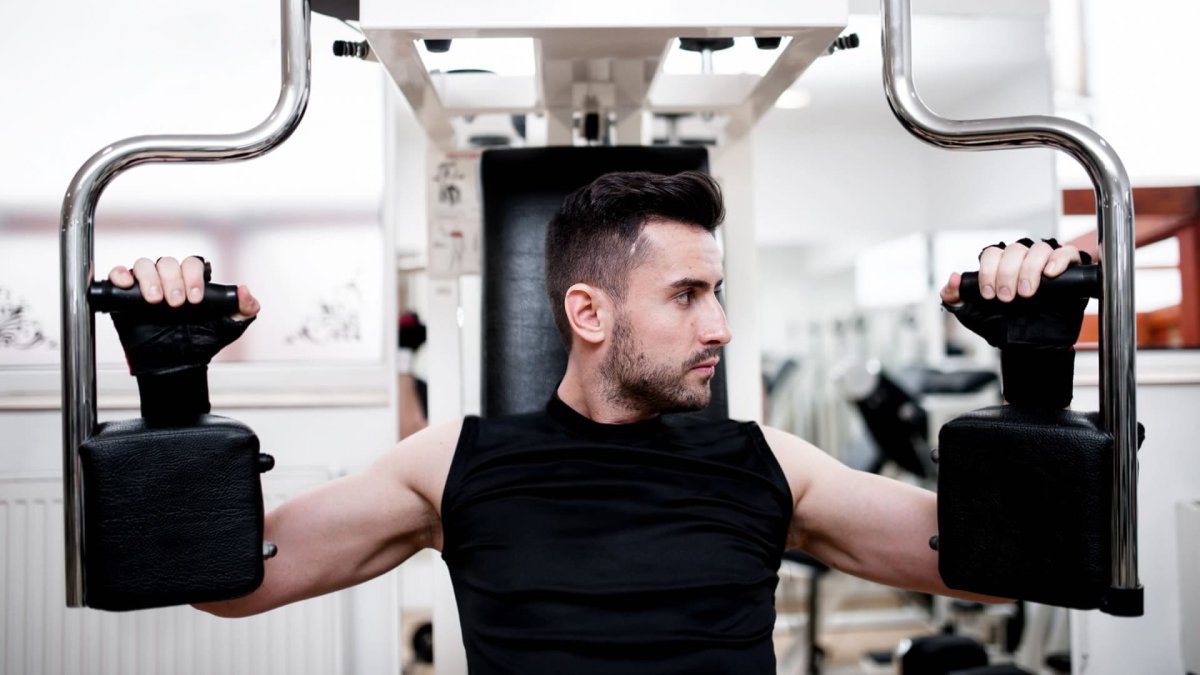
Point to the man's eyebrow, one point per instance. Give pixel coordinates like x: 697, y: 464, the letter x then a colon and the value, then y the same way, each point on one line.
x: 699, y: 284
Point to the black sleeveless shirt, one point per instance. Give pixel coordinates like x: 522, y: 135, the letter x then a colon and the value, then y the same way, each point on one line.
x: 576, y: 547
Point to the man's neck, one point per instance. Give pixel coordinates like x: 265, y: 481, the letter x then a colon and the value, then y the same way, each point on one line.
x: 590, y: 399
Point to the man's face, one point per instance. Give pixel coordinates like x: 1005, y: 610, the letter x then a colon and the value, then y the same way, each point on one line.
x: 668, y: 333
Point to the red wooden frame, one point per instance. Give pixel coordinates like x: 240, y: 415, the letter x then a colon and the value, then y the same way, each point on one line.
x: 1160, y: 213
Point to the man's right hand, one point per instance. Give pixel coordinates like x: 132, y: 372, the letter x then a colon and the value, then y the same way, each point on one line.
x: 168, y: 355
x: 176, y: 283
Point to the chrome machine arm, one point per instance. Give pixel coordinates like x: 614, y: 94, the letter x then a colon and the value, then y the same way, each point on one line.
x: 1114, y: 204
x: 78, y: 254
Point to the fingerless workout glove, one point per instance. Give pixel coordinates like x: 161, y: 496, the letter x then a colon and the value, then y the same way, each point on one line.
x: 170, y: 360
x: 1036, y: 338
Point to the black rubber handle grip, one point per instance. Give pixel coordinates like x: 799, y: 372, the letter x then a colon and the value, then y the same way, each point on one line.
x: 219, y: 300
x: 1078, y: 281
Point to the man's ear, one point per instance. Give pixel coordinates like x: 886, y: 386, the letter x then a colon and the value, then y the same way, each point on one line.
x: 589, y: 311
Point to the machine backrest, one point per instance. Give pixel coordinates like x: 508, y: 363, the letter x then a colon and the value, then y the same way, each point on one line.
x: 523, y: 357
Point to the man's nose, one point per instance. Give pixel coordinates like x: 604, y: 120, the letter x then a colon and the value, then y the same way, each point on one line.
x: 715, y: 330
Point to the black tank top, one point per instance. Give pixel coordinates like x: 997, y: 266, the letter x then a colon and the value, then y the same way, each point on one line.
x: 576, y: 547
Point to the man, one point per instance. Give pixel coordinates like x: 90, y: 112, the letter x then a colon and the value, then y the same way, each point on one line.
x: 597, y: 536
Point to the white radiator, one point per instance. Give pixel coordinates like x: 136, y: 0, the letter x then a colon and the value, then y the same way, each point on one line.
x: 39, y: 635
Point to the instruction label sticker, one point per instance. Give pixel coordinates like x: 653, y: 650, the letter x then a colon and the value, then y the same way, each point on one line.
x: 455, y: 214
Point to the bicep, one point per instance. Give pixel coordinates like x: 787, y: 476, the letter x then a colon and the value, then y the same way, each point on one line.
x: 857, y: 522
x: 346, y: 532
x: 871, y: 526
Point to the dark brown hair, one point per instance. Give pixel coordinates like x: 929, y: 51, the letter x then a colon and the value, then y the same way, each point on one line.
x: 590, y: 237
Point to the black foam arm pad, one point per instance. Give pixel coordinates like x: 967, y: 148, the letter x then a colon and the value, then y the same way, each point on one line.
x: 1024, y: 505
x: 172, y: 515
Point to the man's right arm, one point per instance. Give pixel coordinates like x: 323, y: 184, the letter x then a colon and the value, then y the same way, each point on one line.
x: 354, y: 528
x: 348, y: 530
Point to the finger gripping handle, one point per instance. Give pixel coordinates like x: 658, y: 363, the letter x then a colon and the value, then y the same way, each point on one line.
x: 219, y: 300
x: 1077, y: 281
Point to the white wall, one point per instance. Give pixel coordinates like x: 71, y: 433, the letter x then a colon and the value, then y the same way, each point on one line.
x: 1140, y: 71
x: 835, y: 183
x: 1169, y: 472
x: 841, y: 174
x: 789, y: 304
x: 837, y: 176
x: 1139, y: 62
x: 80, y: 75
x: 1000, y: 188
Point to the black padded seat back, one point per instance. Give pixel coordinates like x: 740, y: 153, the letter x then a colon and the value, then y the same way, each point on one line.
x: 523, y: 356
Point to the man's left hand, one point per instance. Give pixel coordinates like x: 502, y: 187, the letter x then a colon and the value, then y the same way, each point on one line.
x: 1017, y: 270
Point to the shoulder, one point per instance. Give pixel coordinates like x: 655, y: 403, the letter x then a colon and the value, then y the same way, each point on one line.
x: 801, y: 461
x: 784, y: 442
x: 422, y: 461
x: 432, y: 441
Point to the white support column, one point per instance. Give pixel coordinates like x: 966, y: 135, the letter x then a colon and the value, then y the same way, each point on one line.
x: 444, y: 354
x: 445, y: 365
x: 733, y: 167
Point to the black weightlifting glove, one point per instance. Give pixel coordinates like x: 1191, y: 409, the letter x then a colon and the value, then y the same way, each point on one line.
x: 170, y: 360
x: 1036, y: 338
x: 168, y: 350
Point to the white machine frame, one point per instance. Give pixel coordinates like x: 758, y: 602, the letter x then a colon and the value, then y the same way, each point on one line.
x: 605, y: 57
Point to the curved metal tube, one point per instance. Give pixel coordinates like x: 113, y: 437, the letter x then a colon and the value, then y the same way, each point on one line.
x: 1114, y: 204
x: 77, y: 253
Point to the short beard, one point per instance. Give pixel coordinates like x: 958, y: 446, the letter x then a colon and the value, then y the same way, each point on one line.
x: 630, y: 383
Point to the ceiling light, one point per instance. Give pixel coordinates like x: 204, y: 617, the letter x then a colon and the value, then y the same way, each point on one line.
x: 502, y: 56
x: 794, y: 99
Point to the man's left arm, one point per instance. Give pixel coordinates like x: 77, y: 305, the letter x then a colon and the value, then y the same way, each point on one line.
x: 875, y: 527
x: 860, y: 523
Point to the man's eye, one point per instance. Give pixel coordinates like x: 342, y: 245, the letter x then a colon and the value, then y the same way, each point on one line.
x: 685, y: 297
